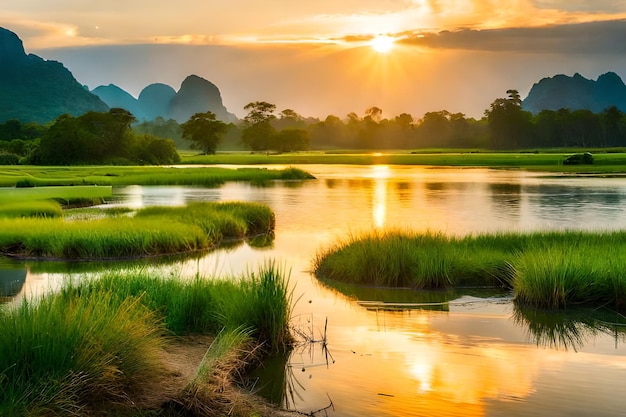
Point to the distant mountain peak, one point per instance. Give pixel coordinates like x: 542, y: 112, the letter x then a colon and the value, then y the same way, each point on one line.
x: 11, y: 47
x: 196, y: 95
x: 114, y: 96
x: 577, y: 92
x: 35, y: 90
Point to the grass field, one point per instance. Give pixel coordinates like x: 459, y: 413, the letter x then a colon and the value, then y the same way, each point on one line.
x: 544, y: 269
x: 152, y: 231
x: 31, y: 176
x: 605, y: 160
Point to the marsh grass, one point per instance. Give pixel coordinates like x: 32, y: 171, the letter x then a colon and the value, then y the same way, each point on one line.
x: 95, y: 344
x: 46, y: 208
x: 152, y: 231
x: 66, y: 196
x: 229, y: 219
x: 97, y: 239
x: 28, y: 176
x: 605, y: 160
x: 544, y: 269
x: 259, y: 301
x: 69, y: 350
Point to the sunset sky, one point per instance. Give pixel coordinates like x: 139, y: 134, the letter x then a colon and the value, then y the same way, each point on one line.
x: 318, y: 57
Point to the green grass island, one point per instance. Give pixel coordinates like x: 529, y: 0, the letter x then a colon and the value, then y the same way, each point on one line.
x: 556, y: 269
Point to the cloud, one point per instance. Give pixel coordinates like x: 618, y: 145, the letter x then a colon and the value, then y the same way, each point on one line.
x: 579, y: 38
x: 603, y: 6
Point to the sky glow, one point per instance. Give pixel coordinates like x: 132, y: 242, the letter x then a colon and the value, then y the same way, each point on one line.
x: 313, y: 56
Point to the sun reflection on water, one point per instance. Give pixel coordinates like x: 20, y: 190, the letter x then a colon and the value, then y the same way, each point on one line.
x: 380, y: 174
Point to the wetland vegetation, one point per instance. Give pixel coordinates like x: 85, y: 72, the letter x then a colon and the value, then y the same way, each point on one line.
x: 28, y: 176
x: 554, y: 269
x: 605, y: 161
x: 98, y: 346
x: 483, y: 260
x: 151, y: 231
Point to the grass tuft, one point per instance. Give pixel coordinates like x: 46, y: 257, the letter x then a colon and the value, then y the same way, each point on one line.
x: 544, y: 269
x: 96, y: 343
x: 153, y: 231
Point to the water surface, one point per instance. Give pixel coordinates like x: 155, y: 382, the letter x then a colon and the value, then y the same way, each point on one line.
x: 430, y: 354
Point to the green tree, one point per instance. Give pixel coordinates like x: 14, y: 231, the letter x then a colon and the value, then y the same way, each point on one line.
x: 258, y: 132
x: 289, y: 119
x: 614, y: 126
x: 435, y: 130
x: 205, y: 131
x: 328, y: 133
x: 289, y: 140
x: 509, y: 125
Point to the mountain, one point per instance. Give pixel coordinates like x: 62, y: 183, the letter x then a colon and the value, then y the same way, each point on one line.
x: 35, y: 90
x: 114, y: 96
x: 155, y: 100
x: 577, y: 93
x: 196, y: 95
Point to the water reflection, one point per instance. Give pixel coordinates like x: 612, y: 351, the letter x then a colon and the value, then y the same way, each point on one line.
x: 507, y: 200
x: 428, y: 354
x: 12, y: 279
x: 570, y: 329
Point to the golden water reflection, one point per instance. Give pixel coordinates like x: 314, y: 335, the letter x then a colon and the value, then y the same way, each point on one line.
x: 468, y: 361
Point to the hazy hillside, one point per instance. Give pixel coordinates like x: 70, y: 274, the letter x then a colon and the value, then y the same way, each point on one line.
x: 195, y: 95
x: 155, y: 100
x: 576, y: 93
x: 35, y: 90
x: 114, y: 96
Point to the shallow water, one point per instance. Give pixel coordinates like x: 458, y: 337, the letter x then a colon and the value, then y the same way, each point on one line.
x: 431, y: 354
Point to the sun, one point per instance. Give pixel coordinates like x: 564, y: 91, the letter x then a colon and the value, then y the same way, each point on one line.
x: 382, y: 44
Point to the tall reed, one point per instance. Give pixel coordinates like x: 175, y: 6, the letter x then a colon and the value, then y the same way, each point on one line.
x: 68, y: 351
x: 102, y: 238
x: 259, y: 301
x: 95, y: 343
x: 545, y: 269
x: 45, y: 208
x: 152, y: 231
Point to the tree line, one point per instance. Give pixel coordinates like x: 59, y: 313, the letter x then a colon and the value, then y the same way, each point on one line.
x: 92, y: 138
x: 115, y: 137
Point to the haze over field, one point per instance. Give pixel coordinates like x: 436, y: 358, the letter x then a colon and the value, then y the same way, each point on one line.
x: 329, y: 57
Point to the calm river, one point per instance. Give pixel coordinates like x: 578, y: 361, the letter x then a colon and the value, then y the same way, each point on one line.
x: 465, y: 353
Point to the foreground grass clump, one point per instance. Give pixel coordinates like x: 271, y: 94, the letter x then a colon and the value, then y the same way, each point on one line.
x: 259, y: 300
x: 153, y: 231
x: 95, y: 345
x: 544, y: 269
x: 61, y: 353
x: 224, y: 219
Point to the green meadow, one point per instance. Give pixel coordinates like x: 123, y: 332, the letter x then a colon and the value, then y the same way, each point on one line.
x: 96, y: 346
x: 35, y: 201
x: 149, y: 232
x: 31, y: 176
x: 557, y: 269
x: 605, y: 160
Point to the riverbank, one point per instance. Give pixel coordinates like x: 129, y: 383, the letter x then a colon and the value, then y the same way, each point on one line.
x: 39, y: 176
x: 557, y: 269
x: 114, y: 234
x: 105, y: 346
x: 611, y: 161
